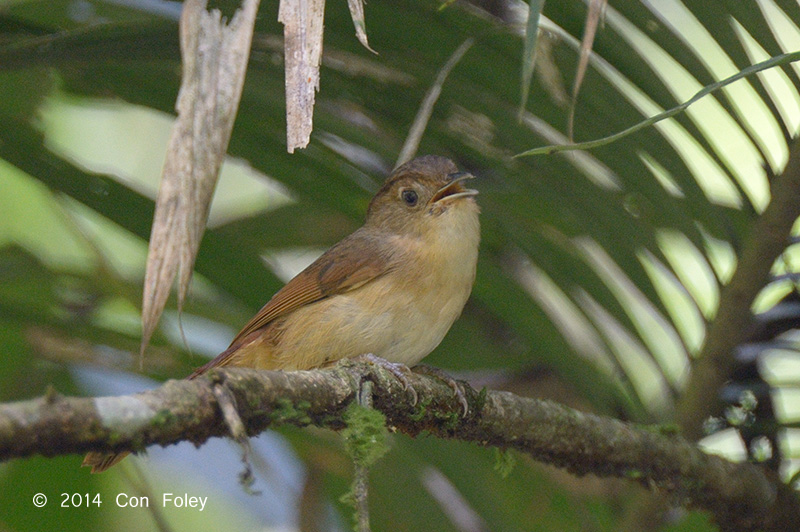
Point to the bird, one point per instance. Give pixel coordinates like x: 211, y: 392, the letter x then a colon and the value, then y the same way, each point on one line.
x: 390, y: 290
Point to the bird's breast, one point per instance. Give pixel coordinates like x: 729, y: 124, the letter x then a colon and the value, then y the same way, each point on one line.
x: 435, y: 277
x: 401, y: 315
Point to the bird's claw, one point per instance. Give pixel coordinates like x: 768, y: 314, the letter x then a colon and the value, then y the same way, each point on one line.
x: 458, y: 388
x: 400, y: 372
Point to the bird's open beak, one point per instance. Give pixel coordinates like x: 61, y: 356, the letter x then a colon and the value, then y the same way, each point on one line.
x: 454, y: 189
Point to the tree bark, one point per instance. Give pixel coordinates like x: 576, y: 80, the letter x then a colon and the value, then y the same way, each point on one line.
x: 740, y: 496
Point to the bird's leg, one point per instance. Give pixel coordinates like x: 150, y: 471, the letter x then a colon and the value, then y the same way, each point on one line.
x: 400, y: 372
x: 458, y: 388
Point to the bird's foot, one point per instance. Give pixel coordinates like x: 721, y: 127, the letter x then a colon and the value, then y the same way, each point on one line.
x: 400, y: 372
x: 458, y: 387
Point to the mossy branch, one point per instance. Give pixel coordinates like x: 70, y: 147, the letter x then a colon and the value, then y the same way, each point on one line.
x: 740, y: 496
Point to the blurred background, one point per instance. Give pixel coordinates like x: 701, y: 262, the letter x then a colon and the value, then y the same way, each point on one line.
x: 599, y: 271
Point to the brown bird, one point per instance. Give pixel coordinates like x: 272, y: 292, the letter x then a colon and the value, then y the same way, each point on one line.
x: 391, y: 289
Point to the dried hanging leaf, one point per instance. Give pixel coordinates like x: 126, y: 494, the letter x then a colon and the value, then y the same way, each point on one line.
x: 596, y: 9
x: 214, y: 64
x: 357, y: 13
x: 302, y: 35
x: 529, y: 52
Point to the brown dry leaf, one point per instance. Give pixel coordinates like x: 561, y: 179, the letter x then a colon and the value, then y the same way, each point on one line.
x: 302, y: 34
x: 357, y: 13
x: 596, y: 9
x: 214, y: 63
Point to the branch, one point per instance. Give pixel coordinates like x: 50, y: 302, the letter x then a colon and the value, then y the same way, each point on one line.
x: 768, y: 238
x: 740, y: 496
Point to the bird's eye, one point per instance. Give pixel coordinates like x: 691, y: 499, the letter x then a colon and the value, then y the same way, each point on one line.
x: 410, y: 197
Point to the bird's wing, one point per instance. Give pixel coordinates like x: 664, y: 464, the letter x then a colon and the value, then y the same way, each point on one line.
x: 349, y: 264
